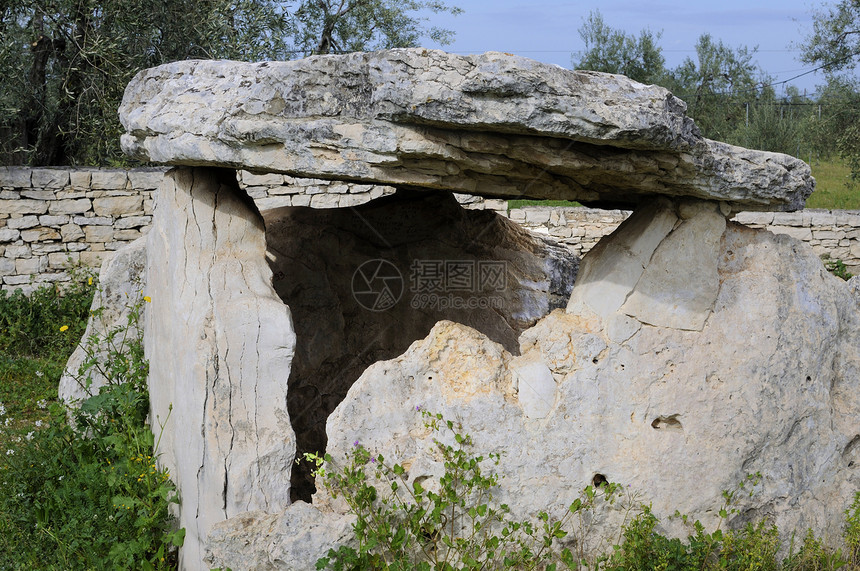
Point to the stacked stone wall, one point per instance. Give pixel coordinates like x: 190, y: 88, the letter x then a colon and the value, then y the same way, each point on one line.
x: 833, y: 234
x: 53, y: 218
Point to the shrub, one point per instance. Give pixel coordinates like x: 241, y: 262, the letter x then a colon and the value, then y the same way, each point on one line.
x: 404, y: 526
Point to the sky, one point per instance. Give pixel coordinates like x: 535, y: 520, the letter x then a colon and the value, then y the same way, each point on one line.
x: 548, y: 30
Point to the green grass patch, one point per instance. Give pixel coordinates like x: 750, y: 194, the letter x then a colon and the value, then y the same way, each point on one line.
x: 86, y: 494
x: 833, y: 187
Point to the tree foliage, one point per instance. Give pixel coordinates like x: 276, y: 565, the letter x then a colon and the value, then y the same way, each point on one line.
x: 835, y: 40
x: 726, y: 92
x: 326, y: 26
x: 613, y: 51
x: 66, y: 63
x: 834, y: 46
x: 717, y: 84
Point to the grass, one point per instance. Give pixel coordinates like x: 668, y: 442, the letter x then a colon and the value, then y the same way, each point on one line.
x: 521, y: 203
x: 34, y: 349
x: 87, y: 493
x: 833, y: 187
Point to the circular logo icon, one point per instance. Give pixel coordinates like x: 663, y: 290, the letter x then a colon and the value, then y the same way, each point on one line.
x: 377, y: 285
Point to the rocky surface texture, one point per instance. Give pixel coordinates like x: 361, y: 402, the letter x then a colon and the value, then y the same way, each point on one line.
x: 472, y: 267
x: 219, y: 343
x: 53, y: 218
x: 494, y: 125
x: 758, y: 373
x: 692, y: 350
x: 120, y: 289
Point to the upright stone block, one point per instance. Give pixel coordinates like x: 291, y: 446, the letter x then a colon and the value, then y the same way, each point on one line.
x: 220, y: 344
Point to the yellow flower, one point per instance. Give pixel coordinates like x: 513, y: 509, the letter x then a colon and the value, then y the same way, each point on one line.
x: 90, y: 281
x: 63, y: 328
x: 147, y: 299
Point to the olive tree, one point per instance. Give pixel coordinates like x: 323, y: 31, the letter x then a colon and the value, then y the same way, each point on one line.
x: 613, y: 51
x: 66, y: 63
x: 834, y: 46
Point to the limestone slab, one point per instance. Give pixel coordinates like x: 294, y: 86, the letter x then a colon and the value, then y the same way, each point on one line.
x: 493, y: 124
x: 220, y: 344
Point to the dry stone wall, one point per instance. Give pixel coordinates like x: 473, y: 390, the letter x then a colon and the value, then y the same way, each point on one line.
x: 831, y: 233
x: 52, y: 218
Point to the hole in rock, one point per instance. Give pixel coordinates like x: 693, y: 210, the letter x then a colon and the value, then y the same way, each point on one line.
x: 599, y: 480
x: 363, y: 283
x: 670, y: 422
x: 851, y: 452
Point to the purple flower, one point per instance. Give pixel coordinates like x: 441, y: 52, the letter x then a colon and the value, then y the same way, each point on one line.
x: 373, y: 459
x: 355, y: 444
x: 418, y: 408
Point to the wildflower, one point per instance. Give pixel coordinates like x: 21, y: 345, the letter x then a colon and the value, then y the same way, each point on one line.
x: 10, y: 452
x: 355, y: 444
x: 2, y: 409
x: 147, y: 299
x: 373, y: 459
x: 63, y: 328
x: 39, y: 424
x: 42, y: 404
x: 90, y: 280
x: 418, y: 408
x: 29, y: 435
x: 40, y: 374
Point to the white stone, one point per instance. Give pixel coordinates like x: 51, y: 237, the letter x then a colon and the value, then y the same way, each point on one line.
x: 15, y: 177
x: 47, y: 220
x: 71, y: 233
x: 608, y: 276
x: 536, y: 389
x: 223, y: 366
x: 289, y: 541
x: 109, y: 180
x: 119, y: 290
x: 388, y: 125
x: 680, y: 282
x: 118, y: 205
x: 69, y: 206
x: 678, y: 416
x: 23, y: 222
x: 23, y: 206
x: 50, y: 178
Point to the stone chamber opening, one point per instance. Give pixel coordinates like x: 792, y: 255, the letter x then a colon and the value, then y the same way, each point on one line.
x: 365, y: 282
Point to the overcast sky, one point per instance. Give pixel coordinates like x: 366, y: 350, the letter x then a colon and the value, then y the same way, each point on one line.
x: 548, y: 30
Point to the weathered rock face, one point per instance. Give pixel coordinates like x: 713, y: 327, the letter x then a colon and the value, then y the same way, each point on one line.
x: 760, y: 374
x: 491, y: 124
x: 692, y: 351
x: 219, y: 343
x: 444, y: 262
x: 120, y: 288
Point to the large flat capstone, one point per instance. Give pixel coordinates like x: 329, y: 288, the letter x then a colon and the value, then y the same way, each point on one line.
x: 494, y: 125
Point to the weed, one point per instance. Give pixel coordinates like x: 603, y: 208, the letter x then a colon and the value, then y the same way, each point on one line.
x: 836, y: 267
x: 87, y: 493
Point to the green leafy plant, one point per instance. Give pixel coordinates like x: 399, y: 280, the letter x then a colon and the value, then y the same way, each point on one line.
x: 454, y: 523
x: 83, y: 488
x: 837, y: 268
x: 37, y: 334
